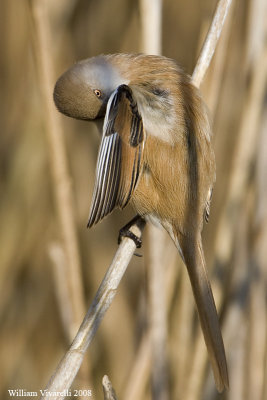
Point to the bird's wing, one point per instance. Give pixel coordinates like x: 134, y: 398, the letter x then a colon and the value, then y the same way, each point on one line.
x: 120, y: 155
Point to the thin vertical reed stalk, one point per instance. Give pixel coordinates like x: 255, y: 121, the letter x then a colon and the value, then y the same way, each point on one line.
x: 151, y: 21
x: 139, y: 373
x: 70, y: 284
x: 184, y: 337
x: 256, y: 343
x: 61, y: 181
x: 151, y: 26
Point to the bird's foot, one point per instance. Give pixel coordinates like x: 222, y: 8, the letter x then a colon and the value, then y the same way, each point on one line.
x: 126, y: 232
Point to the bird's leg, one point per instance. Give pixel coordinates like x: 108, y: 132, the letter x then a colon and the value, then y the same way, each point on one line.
x: 125, y: 231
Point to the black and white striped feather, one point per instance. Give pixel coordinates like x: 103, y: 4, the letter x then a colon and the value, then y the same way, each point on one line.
x: 120, y: 155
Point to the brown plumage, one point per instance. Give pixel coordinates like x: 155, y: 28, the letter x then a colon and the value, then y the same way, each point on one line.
x: 156, y: 153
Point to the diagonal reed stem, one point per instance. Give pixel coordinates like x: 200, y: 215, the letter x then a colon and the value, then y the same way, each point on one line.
x: 71, y: 362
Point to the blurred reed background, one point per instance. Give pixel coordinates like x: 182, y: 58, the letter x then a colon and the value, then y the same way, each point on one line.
x: 41, y: 305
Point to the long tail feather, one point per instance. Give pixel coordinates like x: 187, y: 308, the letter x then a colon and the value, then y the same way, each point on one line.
x: 195, y: 263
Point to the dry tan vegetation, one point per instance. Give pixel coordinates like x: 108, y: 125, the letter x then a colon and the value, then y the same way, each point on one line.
x: 51, y: 265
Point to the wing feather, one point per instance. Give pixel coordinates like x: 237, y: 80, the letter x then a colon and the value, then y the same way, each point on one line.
x: 120, y: 155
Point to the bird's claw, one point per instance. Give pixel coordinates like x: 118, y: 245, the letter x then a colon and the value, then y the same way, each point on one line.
x: 125, y: 232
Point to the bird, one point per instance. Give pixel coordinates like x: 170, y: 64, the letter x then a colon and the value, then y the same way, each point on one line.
x: 155, y: 154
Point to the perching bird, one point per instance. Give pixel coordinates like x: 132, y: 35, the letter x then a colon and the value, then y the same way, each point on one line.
x: 156, y: 154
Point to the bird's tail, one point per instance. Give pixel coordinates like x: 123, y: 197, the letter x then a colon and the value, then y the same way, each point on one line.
x: 194, y: 259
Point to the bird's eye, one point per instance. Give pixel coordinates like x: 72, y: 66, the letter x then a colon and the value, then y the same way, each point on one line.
x: 97, y: 92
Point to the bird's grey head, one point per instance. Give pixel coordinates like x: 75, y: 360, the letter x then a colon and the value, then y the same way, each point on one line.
x: 83, y: 90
